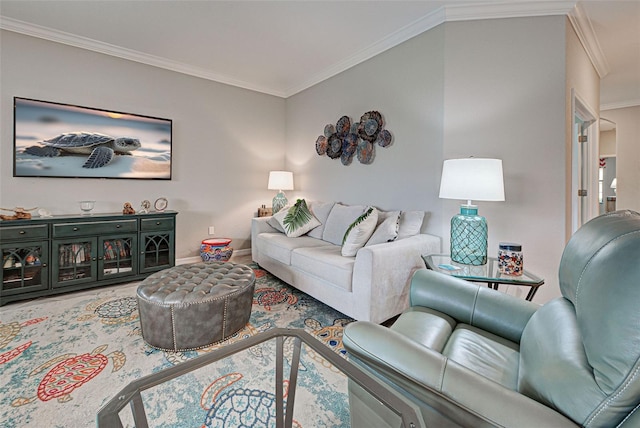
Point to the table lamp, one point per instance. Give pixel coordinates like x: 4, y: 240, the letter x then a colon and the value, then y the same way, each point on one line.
x: 280, y: 180
x: 471, y: 179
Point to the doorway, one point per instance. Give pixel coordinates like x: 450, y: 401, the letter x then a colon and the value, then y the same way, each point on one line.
x: 585, y: 161
x: 607, y: 181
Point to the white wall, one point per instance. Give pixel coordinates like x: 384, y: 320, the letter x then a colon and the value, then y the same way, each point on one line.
x: 504, y: 98
x: 627, y: 122
x: 483, y: 88
x: 225, y: 139
x: 583, y: 81
x: 607, y: 143
x: 405, y: 85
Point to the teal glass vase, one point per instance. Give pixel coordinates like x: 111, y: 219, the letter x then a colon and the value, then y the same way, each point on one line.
x: 469, y: 237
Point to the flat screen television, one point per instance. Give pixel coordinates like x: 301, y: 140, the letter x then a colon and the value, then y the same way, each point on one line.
x: 62, y: 140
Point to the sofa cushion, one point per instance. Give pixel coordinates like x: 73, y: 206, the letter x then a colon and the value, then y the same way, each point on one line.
x: 325, y: 262
x: 278, y: 246
x: 410, y: 223
x: 359, y: 232
x: 387, y: 228
x: 339, y: 220
x: 321, y: 210
x: 297, y: 220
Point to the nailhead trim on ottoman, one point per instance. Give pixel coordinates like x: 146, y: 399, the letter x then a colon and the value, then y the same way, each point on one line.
x: 193, y: 306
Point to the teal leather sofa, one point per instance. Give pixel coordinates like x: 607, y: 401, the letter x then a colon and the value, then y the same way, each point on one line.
x: 473, y: 357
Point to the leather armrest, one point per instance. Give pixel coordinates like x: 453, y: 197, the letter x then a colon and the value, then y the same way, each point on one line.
x: 471, y: 303
x: 384, y: 349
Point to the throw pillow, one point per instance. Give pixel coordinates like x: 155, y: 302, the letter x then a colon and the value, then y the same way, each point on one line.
x: 359, y: 232
x: 273, y: 222
x: 339, y: 220
x: 410, y: 223
x: 321, y: 210
x: 297, y: 220
x: 387, y: 230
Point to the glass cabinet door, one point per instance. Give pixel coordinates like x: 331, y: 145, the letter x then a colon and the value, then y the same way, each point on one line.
x: 24, y: 267
x: 74, y: 262
x: 156, y: 251
x: 118, y: 256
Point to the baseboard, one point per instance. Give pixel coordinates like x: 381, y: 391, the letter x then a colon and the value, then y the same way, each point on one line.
x: 196, y: 259
x: 188, y: 260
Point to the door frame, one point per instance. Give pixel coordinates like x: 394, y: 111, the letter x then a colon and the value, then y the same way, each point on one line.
x: 584, y: 163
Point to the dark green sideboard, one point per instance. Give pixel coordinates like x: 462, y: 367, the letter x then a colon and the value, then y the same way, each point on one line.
x: 58, y: 254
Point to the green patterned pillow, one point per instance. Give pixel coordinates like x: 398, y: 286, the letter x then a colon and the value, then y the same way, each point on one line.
x: 297, y: 220
x: 359, y: 232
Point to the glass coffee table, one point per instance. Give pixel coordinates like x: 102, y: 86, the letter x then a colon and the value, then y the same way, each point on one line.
x: 291, y: 380
x: 488, y: 273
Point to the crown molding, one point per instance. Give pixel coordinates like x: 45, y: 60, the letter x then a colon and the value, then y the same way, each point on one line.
x: 621, y: 104
x: 446, y: 13
x: 507, y: 9
x: 407, y: 32
x: 587, y: 36
x: 62, y: 37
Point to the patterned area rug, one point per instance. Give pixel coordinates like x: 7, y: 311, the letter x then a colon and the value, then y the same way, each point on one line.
x: 62, y: 358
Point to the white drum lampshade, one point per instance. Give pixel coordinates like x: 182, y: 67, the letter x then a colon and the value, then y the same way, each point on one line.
x: 280, y: 180
x: 471, y: 179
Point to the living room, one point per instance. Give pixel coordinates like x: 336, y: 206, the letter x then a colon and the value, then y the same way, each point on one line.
x: 496, y: 88
x: 460, y: 89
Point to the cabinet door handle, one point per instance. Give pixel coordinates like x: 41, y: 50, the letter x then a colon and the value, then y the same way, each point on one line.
x: 44, y: 265
x: 22, y: 232
x: 99, y: 258
x: 158, y: 223
x: 118, y: 226
x: 75, y: 229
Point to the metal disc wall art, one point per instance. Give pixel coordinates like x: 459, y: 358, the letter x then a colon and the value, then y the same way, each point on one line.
x: 321, y: 145
x: 334, y: 150
x: 346, y: 140
x: 366, y: 152
x: 370, y: 126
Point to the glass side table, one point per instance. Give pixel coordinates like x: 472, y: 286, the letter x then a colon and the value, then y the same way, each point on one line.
x: 485, y: 273
x: 301, y: 361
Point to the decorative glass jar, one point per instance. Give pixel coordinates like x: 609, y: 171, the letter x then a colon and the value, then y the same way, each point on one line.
x: 510, y: 260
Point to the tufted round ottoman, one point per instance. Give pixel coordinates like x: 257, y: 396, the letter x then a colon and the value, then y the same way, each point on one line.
x: 192, y: 306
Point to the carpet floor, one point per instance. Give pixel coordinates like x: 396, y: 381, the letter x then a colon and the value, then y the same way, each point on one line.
x: 62, y: 358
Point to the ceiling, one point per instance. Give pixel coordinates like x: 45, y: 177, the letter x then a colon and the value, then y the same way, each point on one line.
x: 284, y: 47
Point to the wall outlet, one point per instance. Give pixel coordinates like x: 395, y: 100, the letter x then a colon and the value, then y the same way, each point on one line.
x: 212, y: 230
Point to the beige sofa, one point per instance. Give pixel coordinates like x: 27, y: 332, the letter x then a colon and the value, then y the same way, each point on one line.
x: 371, y: 286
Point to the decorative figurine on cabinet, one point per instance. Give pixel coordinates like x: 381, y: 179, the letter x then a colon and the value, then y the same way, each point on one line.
x: 19, y: 213
x: 128, y: 209
x: 144, y: 207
